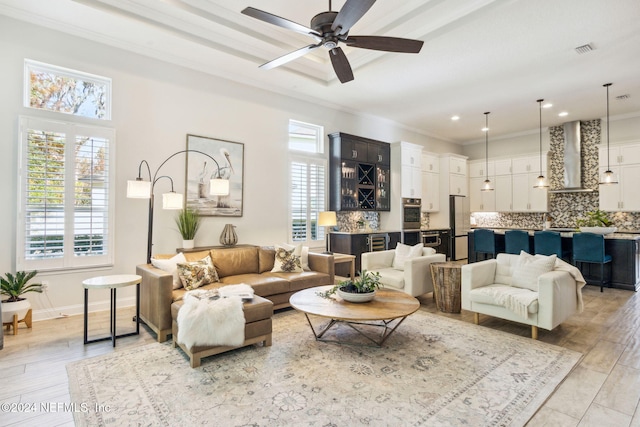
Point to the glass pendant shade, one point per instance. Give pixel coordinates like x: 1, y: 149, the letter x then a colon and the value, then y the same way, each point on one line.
x: 172, y: 201
x: 219, y: 187
x: 138, y: 189
x: 541, y: 182
x: 608, y: 177
x: 486, y: 185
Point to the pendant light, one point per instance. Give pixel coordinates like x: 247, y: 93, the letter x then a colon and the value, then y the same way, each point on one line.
x: 608, y: 177
x: 486, y: 185
x: 541, y: 181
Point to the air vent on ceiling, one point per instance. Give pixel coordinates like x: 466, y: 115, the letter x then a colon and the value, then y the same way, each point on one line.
x: 621, y: 97
x: 584, y: 49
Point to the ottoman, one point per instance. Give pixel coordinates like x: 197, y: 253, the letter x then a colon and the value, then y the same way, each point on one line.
x: 257, y: 314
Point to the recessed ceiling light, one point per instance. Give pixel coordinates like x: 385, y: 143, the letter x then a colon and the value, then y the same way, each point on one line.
x: 454, y: 118
x: 547, y: 105
x: 485, y: 129
x: 563, y: 114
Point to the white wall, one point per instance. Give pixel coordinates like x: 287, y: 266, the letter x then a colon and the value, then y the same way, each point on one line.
x: 155, y: 105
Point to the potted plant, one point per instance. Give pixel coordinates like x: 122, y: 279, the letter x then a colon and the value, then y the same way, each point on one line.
x: 14, y: 287
x: 361, y: 289
x: 188, y: 222
x: 596, y: 222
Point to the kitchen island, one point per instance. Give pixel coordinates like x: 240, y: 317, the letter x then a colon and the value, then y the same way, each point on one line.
x: 624, y: 249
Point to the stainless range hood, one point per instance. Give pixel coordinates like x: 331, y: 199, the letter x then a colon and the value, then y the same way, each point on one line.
x: 572, y: 160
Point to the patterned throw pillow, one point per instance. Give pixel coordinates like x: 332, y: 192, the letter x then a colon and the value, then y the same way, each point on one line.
x: 197, y: 273
x: 287, y: 261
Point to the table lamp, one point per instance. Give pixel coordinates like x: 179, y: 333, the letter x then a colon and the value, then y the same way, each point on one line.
x: 327, y: 219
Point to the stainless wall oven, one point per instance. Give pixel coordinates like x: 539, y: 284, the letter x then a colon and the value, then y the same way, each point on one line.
x: 411, y: 214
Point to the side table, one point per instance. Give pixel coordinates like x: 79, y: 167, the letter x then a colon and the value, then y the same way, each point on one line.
x: 112, y: 282
x: 346, y: 258
x: 447, y: 286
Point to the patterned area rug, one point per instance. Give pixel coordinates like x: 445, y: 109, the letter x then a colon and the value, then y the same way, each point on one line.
x: 433, y: 371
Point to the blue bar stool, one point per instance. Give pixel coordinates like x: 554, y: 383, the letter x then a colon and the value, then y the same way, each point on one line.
x: 484, y: 241
x: 516, y: 241
x: 589, y: 248
x: 549, y: 243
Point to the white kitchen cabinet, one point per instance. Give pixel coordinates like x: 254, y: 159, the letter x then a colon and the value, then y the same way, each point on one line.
x: 458, y: 185
x: 620, y: 155
x: 430, y: 191
x: 457, y: 165
x: 528, y: 164
x: 481, y: 201
x: 621, y: 197
x: 478, y: 168
x: 411, y: 173
x: 430, y: 162
x: 503, y: 187
x: 526, y: 198
x: 502, y: 167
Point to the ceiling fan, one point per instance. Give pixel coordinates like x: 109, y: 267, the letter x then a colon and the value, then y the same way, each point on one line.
x: 331, y: 28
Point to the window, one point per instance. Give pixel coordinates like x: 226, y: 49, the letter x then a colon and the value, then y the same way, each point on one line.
x: 65, y: 207
x: 308, y: 181
x: 67, y: 91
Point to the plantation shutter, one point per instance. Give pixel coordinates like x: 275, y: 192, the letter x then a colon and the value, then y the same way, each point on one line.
x: 307, y: 199
x: 65, y: 212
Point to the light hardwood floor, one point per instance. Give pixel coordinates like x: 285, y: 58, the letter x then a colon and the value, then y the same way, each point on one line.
x: 603, y: 389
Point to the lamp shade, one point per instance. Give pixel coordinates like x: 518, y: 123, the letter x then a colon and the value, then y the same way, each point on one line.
x: 486, y: 185
x: 219, y: 187
x: 608, y: 177
x: 327, y: 219
x: 172, y: 201
x: 138, y: 189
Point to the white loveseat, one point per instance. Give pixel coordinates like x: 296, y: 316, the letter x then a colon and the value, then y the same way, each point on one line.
x: 495, y: 287
x: 412, y: 276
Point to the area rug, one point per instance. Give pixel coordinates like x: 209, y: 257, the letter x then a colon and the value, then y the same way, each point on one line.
x: 433, y: 371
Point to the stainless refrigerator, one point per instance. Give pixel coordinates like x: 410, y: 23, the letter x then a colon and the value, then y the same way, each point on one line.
x: 459, y: 222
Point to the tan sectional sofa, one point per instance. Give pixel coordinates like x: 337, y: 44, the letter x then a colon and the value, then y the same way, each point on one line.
x: 241, y: 264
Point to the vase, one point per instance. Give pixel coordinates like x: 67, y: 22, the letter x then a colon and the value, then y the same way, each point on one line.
x: 228, y: 236
x: 187, y: 244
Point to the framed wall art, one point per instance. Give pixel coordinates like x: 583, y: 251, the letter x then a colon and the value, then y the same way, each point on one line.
x: 226, y: 162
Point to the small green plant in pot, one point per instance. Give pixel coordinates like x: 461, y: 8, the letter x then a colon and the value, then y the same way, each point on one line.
x: 188, y: 222
x: 595, y: 218
x: 366, y: 283
x: 16, y: 307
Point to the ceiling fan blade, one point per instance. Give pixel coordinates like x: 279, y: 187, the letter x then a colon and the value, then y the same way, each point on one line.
x: 280, y: 22
x: 388, y: 44
x: 341, y: 65
x: 289, y: 57
x: 350, y: 13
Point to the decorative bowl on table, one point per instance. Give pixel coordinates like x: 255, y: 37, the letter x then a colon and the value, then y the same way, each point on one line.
x: 599, y: 230
x: 356, y: 297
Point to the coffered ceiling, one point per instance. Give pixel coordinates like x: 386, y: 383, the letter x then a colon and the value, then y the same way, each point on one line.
x: 478, y: 55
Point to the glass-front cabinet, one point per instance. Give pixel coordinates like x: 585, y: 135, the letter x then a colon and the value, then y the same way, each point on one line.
x: 359, y: 173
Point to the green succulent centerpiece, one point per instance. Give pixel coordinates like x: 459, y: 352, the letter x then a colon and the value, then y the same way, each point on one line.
x: 16, y: 286
x: 366, y: 283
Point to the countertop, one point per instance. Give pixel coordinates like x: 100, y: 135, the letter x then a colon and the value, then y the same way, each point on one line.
x: 621, y: 235
x: 372, y: 231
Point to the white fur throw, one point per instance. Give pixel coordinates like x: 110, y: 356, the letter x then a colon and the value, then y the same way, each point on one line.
x: 208, y: 321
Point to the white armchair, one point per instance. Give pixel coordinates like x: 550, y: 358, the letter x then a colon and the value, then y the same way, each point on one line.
x: 508, y: 288
x: 414, y: 277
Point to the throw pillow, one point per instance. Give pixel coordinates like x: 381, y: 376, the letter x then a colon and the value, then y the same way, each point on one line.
x: 529, y: 268
x: 287, y: 261
x: 197, y: 273
x: 304, y: 255
x: 170, y: 266
x: 405, y: 253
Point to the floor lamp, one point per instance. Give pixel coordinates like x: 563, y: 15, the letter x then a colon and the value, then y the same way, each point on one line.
x: 326, y: 220
x: 141, y: 189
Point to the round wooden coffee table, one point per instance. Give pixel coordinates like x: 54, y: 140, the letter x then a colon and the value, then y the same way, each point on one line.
x: 388, y: 310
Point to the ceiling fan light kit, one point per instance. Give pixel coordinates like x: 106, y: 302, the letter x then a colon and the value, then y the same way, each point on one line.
x: 329, y: 29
